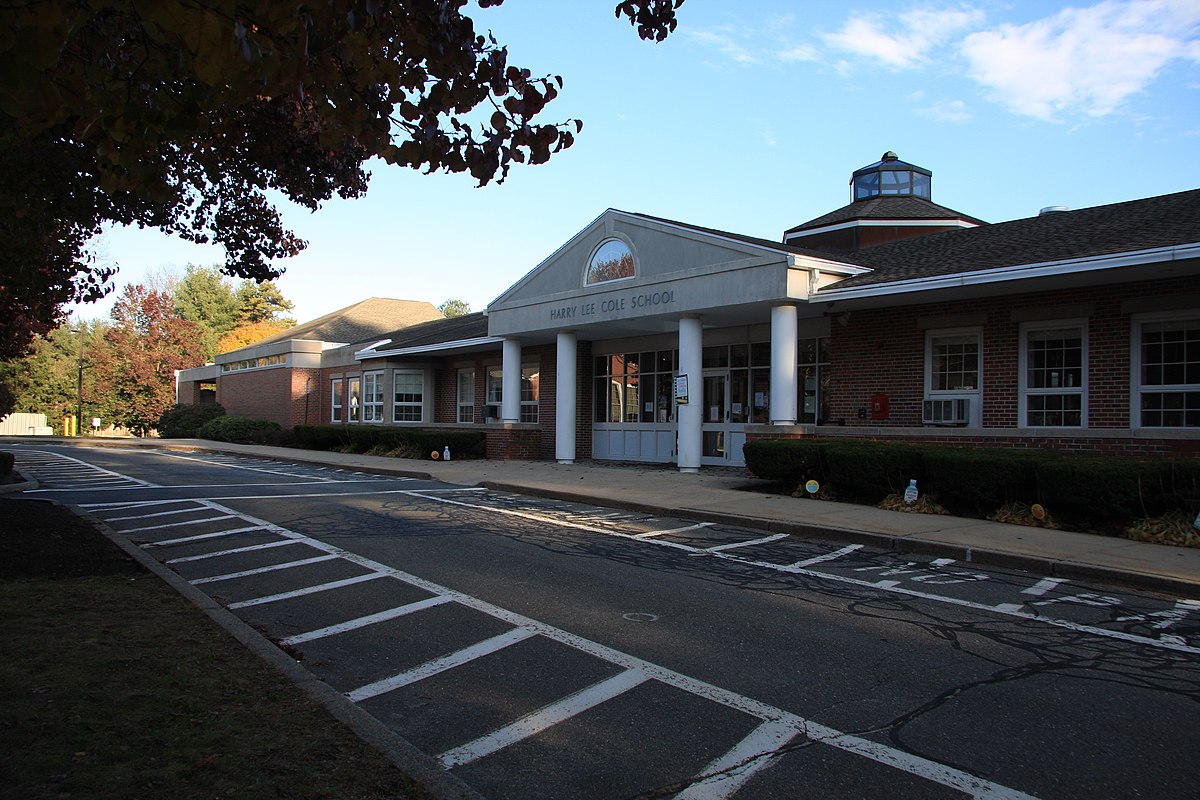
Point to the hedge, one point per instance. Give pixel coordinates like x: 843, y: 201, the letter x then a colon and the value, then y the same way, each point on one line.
x: 409, y: 442
x: 1106, y: 492
x: 185, y: 421
x: 241, y: 430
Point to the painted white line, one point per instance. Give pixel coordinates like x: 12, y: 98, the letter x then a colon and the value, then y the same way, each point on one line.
x: 941, y: 562
x: 49, y: 455
x: 454, y: 488
x: 201, y: 537
x: 230, y: 464
x: 885, y: 584
x: 1043, y: 586
x: 652, y: 534
x: 247, y: 549
x: 1165, y: 618
x: 1007, y: 608
x: 764, y: 540
x: 260, y: 570
x: 730, y: 772
x: 808, y: 562
x: 370, y: 619
x: 157, y: 514
x: 321, y: 587
x: 125, y: 504
x: 431, y: 668
x: 543, y: 718
x: 183, y: 524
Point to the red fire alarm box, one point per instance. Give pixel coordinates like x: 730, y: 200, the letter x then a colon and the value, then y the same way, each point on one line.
x: 879, y: 406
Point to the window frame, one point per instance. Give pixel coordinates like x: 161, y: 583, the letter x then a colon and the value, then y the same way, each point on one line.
x: 976, y: 394
x: 397, y: 405
x: 1024, y: 391
x: 1137, y: 390
x: 465, y: 405
x: 373, y: 403
x: 354, y: 398
x: 337, y: 399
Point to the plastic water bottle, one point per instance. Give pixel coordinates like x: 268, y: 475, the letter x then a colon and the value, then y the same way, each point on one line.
x: 910, y: 494
x: 446, y: 453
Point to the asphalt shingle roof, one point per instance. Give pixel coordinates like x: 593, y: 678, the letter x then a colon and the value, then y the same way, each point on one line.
x: 1163, y: 221
x: 450, y: 329
x: 361, y: 321
x: 886, y: 207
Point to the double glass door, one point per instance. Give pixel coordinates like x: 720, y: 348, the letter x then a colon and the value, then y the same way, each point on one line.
x: 726, y: 411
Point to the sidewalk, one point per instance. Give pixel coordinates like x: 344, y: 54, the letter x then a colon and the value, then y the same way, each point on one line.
x: 723, y: 497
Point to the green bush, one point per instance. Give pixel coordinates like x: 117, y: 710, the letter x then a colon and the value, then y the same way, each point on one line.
x: 240, y: 430
x: 185, y: 421
x: 1089, y: 491
x: 6, y: 464
x: 404, y: 441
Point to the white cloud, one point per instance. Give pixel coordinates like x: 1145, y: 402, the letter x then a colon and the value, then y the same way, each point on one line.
x: 949, y: 111
x: 1083, y: 59
x: 905, y: 40
x: 725, y: 41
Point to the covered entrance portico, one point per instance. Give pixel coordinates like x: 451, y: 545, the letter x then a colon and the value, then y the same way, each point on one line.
x: 692, y: 336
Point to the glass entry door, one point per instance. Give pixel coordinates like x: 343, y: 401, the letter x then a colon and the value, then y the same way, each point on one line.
x: 726, y: 409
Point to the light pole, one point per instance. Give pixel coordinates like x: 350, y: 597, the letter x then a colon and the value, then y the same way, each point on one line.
x: 79, y: 383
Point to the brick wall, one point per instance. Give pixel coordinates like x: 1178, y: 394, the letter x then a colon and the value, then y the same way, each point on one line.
x: 883, y: 352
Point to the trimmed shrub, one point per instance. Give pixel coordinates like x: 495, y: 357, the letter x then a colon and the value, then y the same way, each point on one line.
x: 240, y: 430
x: 185, y: 421
x: 981, y: 481
x: 790, y: 460
x: 393, y: 440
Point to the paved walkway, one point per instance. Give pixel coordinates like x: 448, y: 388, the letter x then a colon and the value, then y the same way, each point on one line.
x: 723, y: 496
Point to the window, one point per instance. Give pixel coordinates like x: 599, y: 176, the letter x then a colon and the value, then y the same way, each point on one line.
x: 531, y: 382
x: 354, y: 390
x: 466, y: 395
x: 1053, y: 375
x: 814, y: 381
x: 635, y: 387
x: 611, y: 261
x: 335, y: 392
x: 953, y: 362
x: 372, y: 402
x: 1167, y: 372
x: 408, y: 396
x: 530, y: 390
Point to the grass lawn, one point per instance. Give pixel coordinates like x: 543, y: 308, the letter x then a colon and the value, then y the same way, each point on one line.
x: 116, y: 687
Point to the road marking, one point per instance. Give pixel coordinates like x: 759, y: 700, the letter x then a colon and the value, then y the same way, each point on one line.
x: 1043, y: 586
x: 183, y: 524
x: 764, y: 540
x: 652, y: 534
x: 808, y: 562
x: 321, y: 587
x: 201, y: 537
x: 543, y: 718
x: 247, y: 549
x: 727, y: 774
x: 157, y: 514
x: 370, y: 619
x: 431, y: 668
x: 260, y: 570
x: 232, y: 465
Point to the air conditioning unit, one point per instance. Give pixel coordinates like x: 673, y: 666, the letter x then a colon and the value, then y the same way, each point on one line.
x: 946, y: 412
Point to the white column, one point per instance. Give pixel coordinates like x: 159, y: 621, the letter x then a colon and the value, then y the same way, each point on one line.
x: 783, y: 365
x: 564, y: 399
x: 510, y: 386
x: 691, y: 416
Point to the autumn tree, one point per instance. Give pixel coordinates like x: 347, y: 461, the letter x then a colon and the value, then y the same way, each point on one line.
x: 57, y: 374
x: 262, y: 302
x: 250, y: 333
x: 182, y: 115
x: 454, y: 308
x: 148, y: 341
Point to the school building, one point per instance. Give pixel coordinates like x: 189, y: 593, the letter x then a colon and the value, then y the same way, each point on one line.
x: 644, y: 339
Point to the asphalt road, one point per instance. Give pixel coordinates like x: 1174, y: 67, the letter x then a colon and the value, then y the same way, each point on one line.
x: 542, y: 649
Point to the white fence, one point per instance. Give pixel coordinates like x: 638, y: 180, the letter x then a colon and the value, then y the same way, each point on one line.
x: 25, y: 425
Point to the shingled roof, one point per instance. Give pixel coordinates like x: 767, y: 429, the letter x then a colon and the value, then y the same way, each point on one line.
x: 1163, y: 221
x: 361, y: 321
x: 440, y: 331
x: 887, y: 207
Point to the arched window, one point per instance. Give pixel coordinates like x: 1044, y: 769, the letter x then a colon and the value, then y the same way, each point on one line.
x: 611, y: 261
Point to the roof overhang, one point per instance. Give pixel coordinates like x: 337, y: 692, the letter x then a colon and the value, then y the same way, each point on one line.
x: 455, y: 347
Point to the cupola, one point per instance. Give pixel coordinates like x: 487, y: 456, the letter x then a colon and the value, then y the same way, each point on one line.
x: 890, y: 200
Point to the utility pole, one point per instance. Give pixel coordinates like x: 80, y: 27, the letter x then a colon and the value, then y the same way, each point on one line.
x: 79, y: 383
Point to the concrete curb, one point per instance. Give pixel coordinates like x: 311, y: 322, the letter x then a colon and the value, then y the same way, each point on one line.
x: 422, y: 768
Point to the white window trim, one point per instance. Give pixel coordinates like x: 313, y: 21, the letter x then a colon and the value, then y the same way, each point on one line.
x: 375, y: 376
x: 337, y: 392
x: 1023, y: 390
x: 974, y: 395
x: 354, y: 404
x: 1135, y: 368
x: 460, y: 401
x: 534, y: 404
x: 397, y: 405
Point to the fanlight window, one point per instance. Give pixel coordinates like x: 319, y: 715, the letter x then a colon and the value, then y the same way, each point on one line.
x: 612, y: 261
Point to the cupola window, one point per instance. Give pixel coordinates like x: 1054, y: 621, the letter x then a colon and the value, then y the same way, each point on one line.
x: 891, y: 177
x: 611, y: 261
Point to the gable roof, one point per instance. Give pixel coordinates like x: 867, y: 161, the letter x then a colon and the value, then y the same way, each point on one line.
x: 439, y: 331
x: 361, y: 321
x: 886, y: 208
x: 1155, y: 222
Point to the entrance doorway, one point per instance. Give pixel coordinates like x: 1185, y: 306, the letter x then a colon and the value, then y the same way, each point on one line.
x: 726, y: 410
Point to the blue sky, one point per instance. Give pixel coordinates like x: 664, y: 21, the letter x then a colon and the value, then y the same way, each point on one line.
x: 750, y: 118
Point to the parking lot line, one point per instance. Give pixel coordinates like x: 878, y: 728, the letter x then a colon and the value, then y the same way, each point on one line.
x: 370, y: 619
x: 247, y: 549
x: 727, y: 774
x: 274, y: 567
x: 734, y: 545
x: 321, y: 587
x: 201, y: 536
